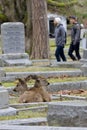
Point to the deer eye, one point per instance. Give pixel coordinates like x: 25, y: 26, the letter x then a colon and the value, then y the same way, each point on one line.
x: 38, y: 80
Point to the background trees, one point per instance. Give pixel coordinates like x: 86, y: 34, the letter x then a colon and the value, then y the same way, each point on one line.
x: 33, y: 14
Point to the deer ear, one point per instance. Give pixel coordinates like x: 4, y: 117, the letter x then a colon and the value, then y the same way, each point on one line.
x: 28, y: 77
x: 20, y: 80
x: 34, y: 77
x: 31, y: 77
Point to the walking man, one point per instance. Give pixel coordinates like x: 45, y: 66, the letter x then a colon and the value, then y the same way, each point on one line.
x: 60, y: 40
x: 75, y: 39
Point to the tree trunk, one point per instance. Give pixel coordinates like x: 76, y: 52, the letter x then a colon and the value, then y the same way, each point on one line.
x: 40, y: 46
x: 28, y: 27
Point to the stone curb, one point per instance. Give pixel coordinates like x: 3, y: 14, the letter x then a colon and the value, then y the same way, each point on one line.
x: 67, y: 86
x: 54, y: 87
x: 16, y: 127
x: 29, y: 121
x: 11, y: 76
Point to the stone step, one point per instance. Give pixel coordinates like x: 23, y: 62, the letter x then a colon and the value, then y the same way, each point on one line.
x: 54, y: 63
x: 23, y: 127
x: 13, y: 59
x: 18, y: 62
x: 12, y: 56
x: 67, y: 113
x: 11, y: 76
x: 54, y: 87
x: 9, y: 111
x: 29, y: 121
x: 68, y: 64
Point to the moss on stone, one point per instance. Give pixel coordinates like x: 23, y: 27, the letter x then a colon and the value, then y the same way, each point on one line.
x: 3, y: 18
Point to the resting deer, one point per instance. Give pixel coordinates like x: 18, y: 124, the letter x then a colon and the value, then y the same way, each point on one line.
x: 37, y: 93
x: 21, y: 86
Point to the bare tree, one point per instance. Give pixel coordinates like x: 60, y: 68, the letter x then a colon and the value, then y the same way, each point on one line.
x: 39, y: 45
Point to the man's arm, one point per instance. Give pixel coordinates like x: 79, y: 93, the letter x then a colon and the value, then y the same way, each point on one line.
x: 63, y: 35
x: 77, y: 34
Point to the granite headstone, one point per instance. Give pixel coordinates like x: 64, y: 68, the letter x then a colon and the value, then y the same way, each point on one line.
x: 13, y: 44
x: 13, y: 37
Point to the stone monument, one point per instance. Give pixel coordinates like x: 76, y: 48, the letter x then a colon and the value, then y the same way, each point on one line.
x: 67, y: 113
x: 4, y: 103
x: 4, y: 99
x: 84, y: 58
x: 13, y: 44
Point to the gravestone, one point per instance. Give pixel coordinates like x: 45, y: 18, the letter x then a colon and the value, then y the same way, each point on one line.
x: 83, y: 38
x: 84, y: 44
x: 13, y: 38
x: 67, y: 113
x: 4, y: 101
x: 84, y: 58
x: 13, y: 44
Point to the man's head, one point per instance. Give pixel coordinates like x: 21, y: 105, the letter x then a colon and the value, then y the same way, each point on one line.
x: 57, y: 21
x: 73, y: 19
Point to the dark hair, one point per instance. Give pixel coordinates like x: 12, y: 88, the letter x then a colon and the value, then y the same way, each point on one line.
x: 73, y: 17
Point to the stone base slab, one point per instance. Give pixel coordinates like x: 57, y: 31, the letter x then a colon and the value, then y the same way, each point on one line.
x: 11, y: 76
x: 3, y: 97
x: 68, y: 64
x: 13, y: 59
x: 84, y: 69
x: 29, y: 121
x: 16, y: 127
x: 85, y: 54
x: 67, y: 113
x: 8, y: 111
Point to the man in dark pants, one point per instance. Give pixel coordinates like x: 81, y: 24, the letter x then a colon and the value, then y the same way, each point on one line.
x: 60, y: 39
x: 75, y: 39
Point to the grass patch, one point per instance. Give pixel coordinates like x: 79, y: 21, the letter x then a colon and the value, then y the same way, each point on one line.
x: 66, y: 79
x: 50, y: 80
x: 34, y: 69
x: 24, y: 115
x: 62, y: 3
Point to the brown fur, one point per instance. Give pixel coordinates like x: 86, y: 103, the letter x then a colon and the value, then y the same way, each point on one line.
x: 21, y: 86
x: 37, y: 93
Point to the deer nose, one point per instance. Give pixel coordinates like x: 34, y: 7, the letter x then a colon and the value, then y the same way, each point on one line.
x: 14, y: 89
x: 48, y: 83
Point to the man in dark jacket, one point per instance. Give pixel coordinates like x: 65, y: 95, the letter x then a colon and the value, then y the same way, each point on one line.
x: 60, y: 39
x: 75, y: 39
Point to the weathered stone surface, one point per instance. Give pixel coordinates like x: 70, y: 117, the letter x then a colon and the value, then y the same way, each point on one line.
x: 84, y: 69
x: 9, y: 111
x: 3, y: 98
x: 16, y: 127
x: 72, y: 64
x: 13, y: 37
x: 12, y: 75
x: 29, y: 121
x: 4, y: 103
x: 68, y: 113
x: 85, y: 54
x: 54, y: 87
x: 2, y: 62
x: 16, y: 59
x: 84, y: 57
x: 13, y: 45
x: 2, y: 74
